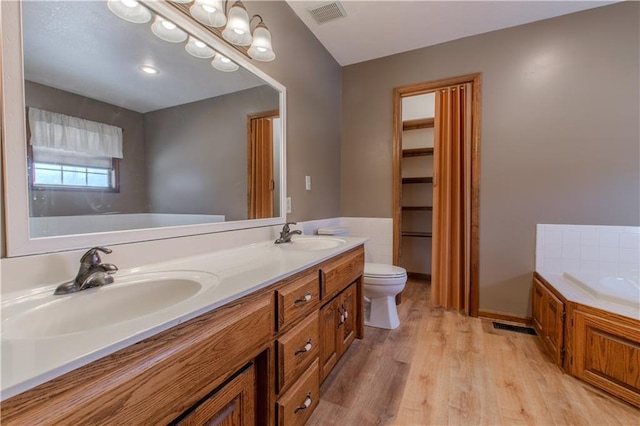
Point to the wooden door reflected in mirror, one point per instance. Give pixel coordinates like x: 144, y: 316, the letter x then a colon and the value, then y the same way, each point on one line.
x: 262, y: 138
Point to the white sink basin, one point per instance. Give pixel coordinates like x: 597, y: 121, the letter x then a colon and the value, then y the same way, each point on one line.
x: 44, y: 315
x: 312, y: 243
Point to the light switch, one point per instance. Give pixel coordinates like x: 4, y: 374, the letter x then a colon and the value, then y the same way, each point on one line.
x: 288, y: 204
x: 307, y: 183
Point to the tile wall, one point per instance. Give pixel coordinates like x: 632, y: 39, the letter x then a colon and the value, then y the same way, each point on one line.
x: 600, y: 250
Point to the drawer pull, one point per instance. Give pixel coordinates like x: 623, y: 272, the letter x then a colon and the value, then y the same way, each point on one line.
x: 305, y: 405
x: 306, y: 298
x: 306, y: 348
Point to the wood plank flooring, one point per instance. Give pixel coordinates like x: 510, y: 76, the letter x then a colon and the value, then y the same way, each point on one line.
x: 440, y: 367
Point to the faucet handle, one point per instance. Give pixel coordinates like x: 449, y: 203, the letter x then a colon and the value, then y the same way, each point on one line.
x: 286, y: 228
x: 92, y: 257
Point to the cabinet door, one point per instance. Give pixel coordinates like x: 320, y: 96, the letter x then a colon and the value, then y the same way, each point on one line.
x: 347, y: 318
x: 607, y: 353
x: 233, y: 405
x: 329, y: 342
x: 553, y: 326
x: 538, y: 306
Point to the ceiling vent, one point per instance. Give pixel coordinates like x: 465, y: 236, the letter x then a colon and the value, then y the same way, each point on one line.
x: 326, y: 12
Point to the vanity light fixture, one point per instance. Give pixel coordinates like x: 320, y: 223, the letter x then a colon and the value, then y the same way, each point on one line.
x: 167, y: 30
x: 209, y: 12
x: 129, y: 10
x: 199, y: 49
x: 222, y: 63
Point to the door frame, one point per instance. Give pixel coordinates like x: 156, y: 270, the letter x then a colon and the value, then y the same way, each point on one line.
x: 429, y: 87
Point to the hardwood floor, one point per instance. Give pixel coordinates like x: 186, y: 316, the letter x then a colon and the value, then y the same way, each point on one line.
x: 440, y: 367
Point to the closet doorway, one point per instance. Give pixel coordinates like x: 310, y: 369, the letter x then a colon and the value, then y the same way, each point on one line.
x: 436, y: 176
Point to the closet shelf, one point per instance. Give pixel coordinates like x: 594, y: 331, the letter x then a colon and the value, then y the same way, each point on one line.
x: 414, y: 208
x: 421, y: 123
x: 417, y: 152
x: 425, y: 179
x: 417, y: 234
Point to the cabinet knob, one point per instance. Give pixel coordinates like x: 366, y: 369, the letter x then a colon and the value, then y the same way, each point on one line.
x: 304, y: 299
x: 306, y: 404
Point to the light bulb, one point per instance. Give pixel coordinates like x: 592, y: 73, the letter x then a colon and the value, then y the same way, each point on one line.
x: 199, y: 44
x: 167, y: 30
x: 208, y: 9
x: 149, y: 69
x: 168, y: 25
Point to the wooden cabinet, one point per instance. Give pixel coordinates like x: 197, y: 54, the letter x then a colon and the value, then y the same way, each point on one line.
x: 548, y: 319
x: 340, y: 272
x: 328, y: 337
x: 232, y: 405
x: 297, y: 404
x: 337, y: 328
x: 606, y: 352
x: 296, y: 350
x: 600, y: 347
x: 297, y: 299
x: 347, y: 317
x: 252, y: 361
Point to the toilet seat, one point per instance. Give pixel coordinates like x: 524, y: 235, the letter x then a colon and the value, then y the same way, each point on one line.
x: 381, y: 270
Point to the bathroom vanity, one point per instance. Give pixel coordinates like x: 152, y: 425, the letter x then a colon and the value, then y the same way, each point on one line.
x: 257, y: 359
x: 587, y: 338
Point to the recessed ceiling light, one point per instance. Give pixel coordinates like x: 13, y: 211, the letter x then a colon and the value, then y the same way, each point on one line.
x: 148, y: 69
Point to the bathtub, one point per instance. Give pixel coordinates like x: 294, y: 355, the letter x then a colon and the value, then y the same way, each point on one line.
x: 622, y: 290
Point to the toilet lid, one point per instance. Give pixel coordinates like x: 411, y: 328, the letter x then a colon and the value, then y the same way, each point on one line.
x: 383, y: 270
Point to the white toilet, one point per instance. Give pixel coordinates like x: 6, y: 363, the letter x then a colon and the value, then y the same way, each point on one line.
x: 382, y: 283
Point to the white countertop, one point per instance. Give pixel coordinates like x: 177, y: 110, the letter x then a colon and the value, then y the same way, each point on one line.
x: 28, y: 362
x: 574, y: 293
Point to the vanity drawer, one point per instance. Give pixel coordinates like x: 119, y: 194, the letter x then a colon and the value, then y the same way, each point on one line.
x: 296, y: 349
x: 297, y: 404
x: 297, y: 299
x: 339, y: 273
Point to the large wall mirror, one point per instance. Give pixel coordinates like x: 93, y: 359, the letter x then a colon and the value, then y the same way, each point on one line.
x: 114, y: 135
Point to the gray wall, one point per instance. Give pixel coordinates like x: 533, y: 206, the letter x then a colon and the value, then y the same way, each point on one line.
x: 132, y: 197
x: 197, y: 154
x: 559, y: 138
x: 314, y: 81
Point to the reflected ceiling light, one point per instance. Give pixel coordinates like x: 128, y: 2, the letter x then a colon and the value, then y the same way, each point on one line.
x: 238, y: 30
x: 209, y: 12
x: 261, y: 49
x: 167, y: 30
x: 199, y: 49
x: 129, y: 10
x: 222, y: 63
x: 149, y: 69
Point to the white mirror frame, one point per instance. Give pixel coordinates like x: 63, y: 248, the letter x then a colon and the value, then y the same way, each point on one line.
x: 14, y: 147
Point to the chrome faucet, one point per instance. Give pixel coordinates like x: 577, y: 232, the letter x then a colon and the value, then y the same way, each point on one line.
x: 92, y: 273
x: 286, y: 233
